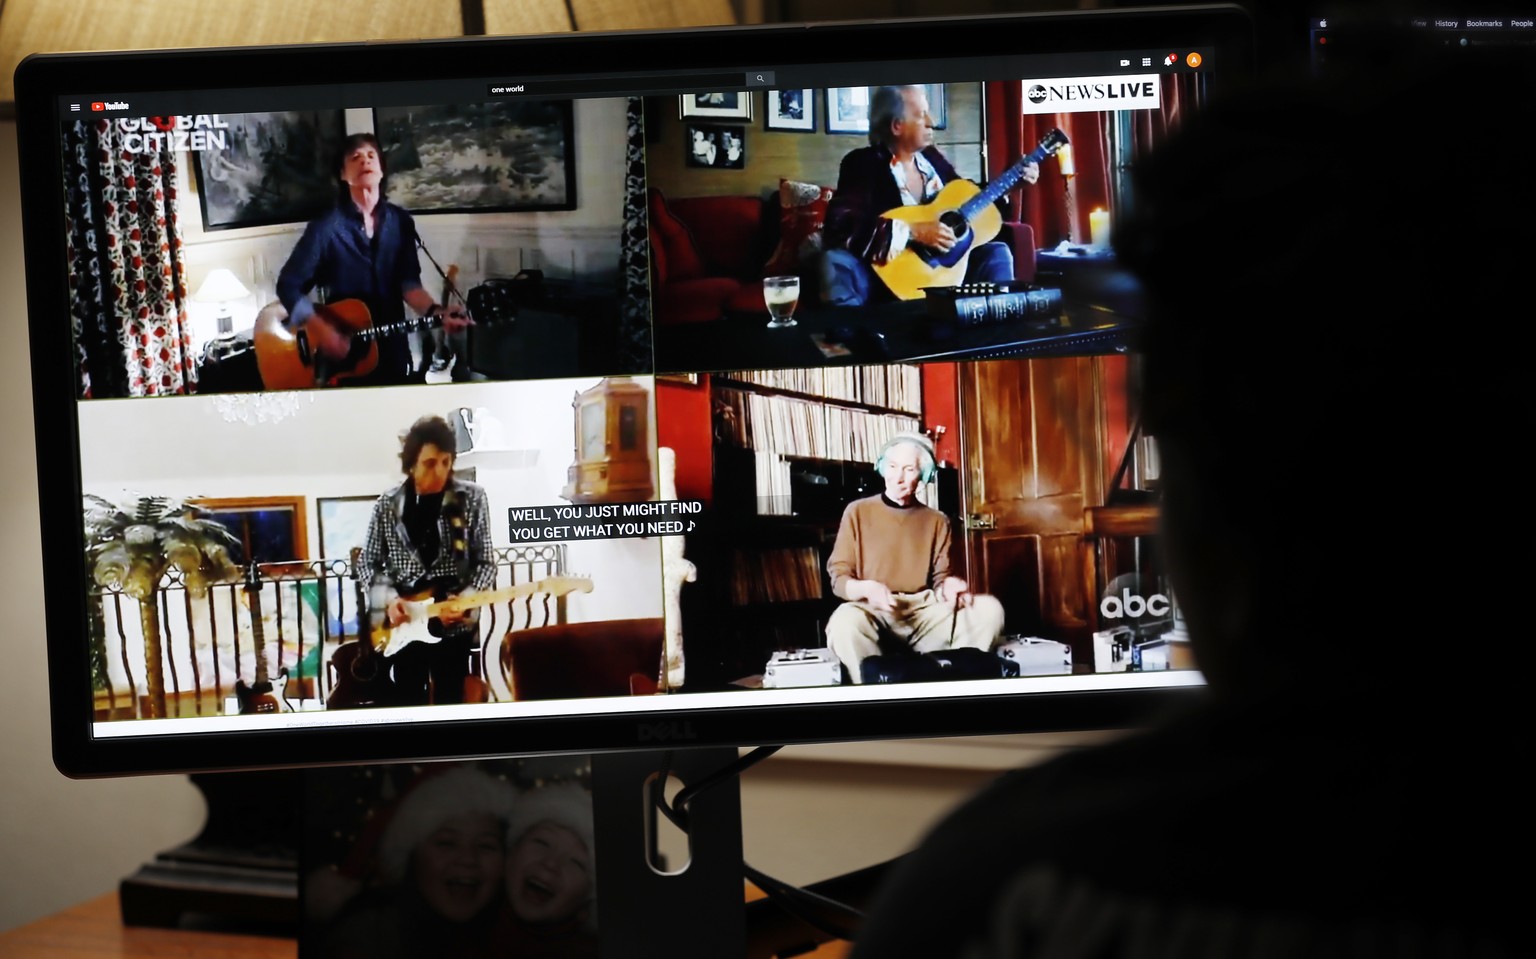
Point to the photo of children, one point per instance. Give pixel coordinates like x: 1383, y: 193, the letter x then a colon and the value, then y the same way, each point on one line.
x: 983, y: 193
x: 495, y: 859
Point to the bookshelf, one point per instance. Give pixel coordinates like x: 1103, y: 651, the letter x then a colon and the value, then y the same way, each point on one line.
x: 791, y: 449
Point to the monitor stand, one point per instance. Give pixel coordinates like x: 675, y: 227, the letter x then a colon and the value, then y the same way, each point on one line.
x: 695, y: 911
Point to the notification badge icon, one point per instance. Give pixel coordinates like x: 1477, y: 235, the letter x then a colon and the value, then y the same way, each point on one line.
x: 1194, y: 59
x: 1170, y: 59
x: 98, y: 106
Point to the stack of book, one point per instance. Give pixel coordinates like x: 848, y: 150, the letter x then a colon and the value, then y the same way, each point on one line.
x: 775, y: 575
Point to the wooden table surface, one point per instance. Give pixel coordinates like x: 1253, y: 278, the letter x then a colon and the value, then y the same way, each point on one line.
x: 94, y: 930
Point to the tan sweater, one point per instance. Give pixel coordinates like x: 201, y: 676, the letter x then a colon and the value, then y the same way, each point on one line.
x: 906, y: 550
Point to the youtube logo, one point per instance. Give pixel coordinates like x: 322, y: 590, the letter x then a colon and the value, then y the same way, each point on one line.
x: 98, y: 106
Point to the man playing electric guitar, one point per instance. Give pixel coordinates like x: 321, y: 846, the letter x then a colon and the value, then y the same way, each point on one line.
x: 364, y: 249
x: 900, y: 167
x: 432, y: 532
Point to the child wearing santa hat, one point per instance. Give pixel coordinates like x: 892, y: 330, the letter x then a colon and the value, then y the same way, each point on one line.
x: 551, y: 879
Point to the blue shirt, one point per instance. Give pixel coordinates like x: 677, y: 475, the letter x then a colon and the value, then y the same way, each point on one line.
x: 335, y: 253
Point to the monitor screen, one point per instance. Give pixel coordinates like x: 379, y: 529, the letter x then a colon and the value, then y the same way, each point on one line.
x: 573, y: 394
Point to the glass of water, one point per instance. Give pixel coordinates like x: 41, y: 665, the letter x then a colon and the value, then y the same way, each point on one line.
x: 782, y: 294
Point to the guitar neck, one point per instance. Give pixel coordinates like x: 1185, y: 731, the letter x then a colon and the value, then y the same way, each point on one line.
x: 381, y: 330
x: 1009, y: 179
x: 557, y: 587
x: 258, y: 636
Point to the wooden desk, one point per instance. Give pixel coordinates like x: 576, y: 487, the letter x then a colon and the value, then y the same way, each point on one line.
x: 93, y: 930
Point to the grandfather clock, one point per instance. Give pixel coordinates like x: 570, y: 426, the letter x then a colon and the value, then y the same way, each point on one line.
x: 613, y: 447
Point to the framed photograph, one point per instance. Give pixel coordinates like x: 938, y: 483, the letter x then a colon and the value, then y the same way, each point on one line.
x: 279, y: 168
x: 937, y: 105
x: 343, y: 522
x: 718, y: 147
x: 494, y: 858
x: 792, y: 110
x: 506, y: 156
x: 734, y: 105
x: 271, y: 529
x: 848, y: 109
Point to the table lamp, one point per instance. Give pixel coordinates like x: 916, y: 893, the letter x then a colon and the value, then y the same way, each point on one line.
x: 221, y: 286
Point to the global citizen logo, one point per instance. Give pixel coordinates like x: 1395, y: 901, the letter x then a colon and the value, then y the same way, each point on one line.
x: 1081, y: 94
x: 195, y: 132
x: 1130, y: 606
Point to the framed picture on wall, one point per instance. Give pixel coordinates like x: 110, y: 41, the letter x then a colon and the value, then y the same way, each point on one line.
x: 848, y: 109
x: 938, y: 105
x: 278, y: 168
x: 731, y: 105
x: 792, y: 110
x: 505, y: 156
x: 716, y: 147
x: 270, y: 529
x: 343, y: 522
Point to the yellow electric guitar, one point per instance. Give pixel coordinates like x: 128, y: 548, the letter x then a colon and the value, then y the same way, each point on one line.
x: 970, y: 212
x: 420, y: 625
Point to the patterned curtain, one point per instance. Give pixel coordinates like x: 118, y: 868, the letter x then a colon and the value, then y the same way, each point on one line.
x: 635, y: 354
x: 126, y: 274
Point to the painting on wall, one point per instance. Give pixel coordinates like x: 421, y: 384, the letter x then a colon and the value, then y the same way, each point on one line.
x: 505, y: 156
x: 269, y: 529
x: 278, y: 168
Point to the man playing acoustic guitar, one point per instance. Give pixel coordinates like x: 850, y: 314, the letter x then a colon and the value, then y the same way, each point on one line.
x: 900, y: 167
x: 364, y: 249
x: 431, y: 534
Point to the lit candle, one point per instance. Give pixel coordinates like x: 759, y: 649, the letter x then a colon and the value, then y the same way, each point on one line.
x: 1098, y: 228
x: 1064, y: 160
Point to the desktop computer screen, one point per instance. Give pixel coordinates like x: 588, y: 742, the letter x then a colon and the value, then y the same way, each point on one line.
x: 589, y: 393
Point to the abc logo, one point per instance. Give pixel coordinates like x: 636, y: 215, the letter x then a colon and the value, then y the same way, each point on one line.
x: 1129, y: 605
x: 1036, y: 94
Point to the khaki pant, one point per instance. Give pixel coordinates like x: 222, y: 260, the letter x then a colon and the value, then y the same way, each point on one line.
x: 919, y: 623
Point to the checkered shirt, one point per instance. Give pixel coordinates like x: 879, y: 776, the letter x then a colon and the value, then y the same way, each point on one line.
x: 390, y: 564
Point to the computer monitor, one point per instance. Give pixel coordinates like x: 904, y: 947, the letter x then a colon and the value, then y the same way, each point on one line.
x: 578, y: 394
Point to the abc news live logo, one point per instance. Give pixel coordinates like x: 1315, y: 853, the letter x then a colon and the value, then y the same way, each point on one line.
x: 1128, y: 605
x: 1086, y: 94
x: 194, y: 131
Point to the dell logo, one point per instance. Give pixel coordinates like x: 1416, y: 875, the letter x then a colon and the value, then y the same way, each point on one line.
x: 665, y: 732
x: 1129, y: 605
x: 1036, y: 93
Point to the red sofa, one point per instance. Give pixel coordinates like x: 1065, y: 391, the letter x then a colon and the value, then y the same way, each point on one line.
x: 708, y: 254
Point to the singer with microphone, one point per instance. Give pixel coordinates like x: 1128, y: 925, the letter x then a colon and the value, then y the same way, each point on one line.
x: 363, y: 249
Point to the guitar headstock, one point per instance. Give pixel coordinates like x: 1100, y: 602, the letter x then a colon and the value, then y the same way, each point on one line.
x: 563, y: 585
x: 1053, y: 141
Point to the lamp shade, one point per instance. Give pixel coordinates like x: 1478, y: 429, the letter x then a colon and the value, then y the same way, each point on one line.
x: 220, y: 286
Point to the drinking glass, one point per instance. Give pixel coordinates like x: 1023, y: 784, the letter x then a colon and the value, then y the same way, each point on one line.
x: 782, y: 294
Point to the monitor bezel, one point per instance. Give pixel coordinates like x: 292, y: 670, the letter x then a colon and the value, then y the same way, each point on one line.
x: 41, y: 79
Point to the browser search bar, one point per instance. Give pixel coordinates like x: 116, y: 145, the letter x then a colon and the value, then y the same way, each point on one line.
x: 662, y: 83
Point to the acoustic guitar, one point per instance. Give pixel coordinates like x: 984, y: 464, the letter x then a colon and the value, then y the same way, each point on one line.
x: 969, y: 211
x: 423, y: 626
x: 362, y: 675
x: 287, y: 360
x: 264, y: 695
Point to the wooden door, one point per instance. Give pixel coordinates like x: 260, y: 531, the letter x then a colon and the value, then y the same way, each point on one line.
x: 1034, y: 452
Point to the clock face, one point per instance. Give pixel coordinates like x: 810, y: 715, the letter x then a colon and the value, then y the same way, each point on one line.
x: 594, y: 429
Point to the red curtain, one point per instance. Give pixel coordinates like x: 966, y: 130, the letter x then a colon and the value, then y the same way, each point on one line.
x: 126, y: 271
x: 1045, y: 206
